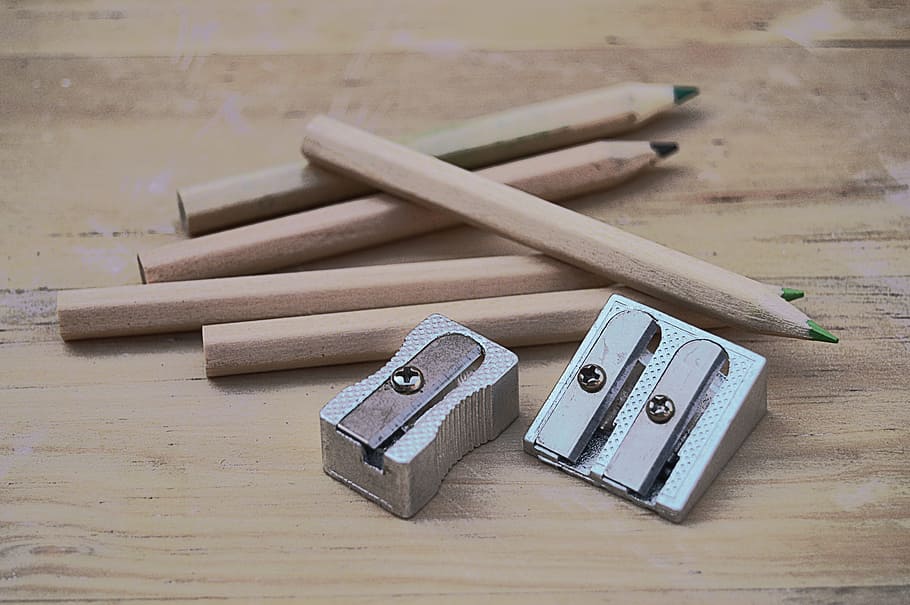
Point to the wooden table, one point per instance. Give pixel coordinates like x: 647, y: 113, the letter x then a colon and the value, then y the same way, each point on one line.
x: 126, y: 474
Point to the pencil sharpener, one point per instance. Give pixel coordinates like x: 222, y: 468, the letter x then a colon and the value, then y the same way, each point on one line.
x: 393, y: 436
x: 650, y: 408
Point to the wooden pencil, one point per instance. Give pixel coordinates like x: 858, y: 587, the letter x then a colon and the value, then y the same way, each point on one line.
x: 188, y: 305
x: 473, y: 143
x: 374, y: 334
x: 559, y: 232
x: 346, y: 226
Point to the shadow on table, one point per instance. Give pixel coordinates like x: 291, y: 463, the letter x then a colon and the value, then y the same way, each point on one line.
x: 136, y: 345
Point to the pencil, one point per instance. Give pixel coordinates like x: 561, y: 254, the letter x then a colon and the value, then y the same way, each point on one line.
x: 379, y: 218
x: 473, y: 143
x: 375, y: 334
x: 188, y: 305
x: 559, y: 232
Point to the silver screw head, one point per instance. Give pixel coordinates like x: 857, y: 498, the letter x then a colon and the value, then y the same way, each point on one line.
x: 660, y: 409
x: 591, y: 377
x: 407, y: 380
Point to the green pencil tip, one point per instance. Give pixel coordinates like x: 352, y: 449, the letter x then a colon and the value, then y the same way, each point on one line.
x: 816, y: 332
x: 789, y: 294
x: 663, y: 149
x: 681, y: 94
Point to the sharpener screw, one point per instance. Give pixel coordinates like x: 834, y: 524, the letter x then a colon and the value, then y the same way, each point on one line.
x: 660, y: 409
x: 591, y: 377
x: 407, y: 380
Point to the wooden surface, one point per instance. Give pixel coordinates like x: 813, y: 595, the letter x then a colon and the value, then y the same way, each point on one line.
x: 125, y: 474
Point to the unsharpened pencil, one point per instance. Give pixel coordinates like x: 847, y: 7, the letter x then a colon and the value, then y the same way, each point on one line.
x: 559, y: 232
x: 379, y: 218
x: 188, y: 305
x: 474, y: 143
x: 374, y: 334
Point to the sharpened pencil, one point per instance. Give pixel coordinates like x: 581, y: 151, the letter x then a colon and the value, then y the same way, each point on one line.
x: 188, y: 305
x: 380, y: 218
x: 474, y: 143
x: 559, y: 232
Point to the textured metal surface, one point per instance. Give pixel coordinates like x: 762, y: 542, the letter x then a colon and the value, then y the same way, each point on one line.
x: 568, y: 429
x: 390, y: 408
x: 409, y: 471
x: 729, y: 408
x: 649, y: 442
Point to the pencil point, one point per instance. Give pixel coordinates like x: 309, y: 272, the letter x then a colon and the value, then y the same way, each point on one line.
x: 681, y: 94
x: 816, y: 332
x: 789, y: 294
x: 664, y: 149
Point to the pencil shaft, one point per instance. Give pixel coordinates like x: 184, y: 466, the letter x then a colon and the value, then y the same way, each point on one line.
x: 561, y: 233
x: 188, y: 305
x: 474, y: 143
x: 375, y: 334
x: 346, y: 226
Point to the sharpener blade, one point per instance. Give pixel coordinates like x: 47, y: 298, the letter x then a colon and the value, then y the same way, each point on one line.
x: 648, y: 445
x: 386, y: 411
x: 569, y: 428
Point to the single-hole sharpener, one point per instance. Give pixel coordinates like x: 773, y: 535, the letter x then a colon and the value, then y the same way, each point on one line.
x: 393, y: 436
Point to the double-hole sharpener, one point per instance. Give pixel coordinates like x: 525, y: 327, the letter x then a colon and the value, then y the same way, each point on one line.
x: 650, y: 408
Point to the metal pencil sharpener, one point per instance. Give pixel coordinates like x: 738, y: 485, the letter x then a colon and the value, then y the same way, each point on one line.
x: 393, y: 436
x: 650, y: 408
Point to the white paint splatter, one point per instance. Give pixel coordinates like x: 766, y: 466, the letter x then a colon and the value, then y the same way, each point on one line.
x: 857, y: 496
x: 900, y: 172
x: 356, y: 68
x: 231, y: 113
x: 113, y: 260
x: 161, y: 182
x: 28, y: 307
x: 193, y: 40
x: 163, y: 229
x: 23, y: 447
x: 805, y: 28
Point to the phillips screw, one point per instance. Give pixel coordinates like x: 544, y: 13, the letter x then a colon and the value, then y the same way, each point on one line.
x: 660, y: 409
x: 591, y: 377
x: 407, y: 380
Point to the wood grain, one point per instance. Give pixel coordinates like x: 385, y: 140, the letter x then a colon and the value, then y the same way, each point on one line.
x: 127, y: 475
x: 376, y: 219
x: 188, y: 305
x: 375, y: 334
